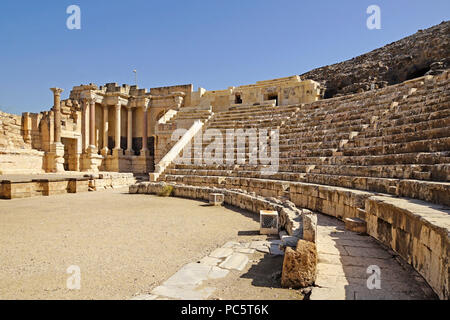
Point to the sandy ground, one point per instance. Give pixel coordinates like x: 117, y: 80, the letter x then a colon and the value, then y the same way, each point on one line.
x: 124, y: 245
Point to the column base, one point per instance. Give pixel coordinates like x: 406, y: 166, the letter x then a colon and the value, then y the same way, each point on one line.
x: 143, y: 163
x: 115, y: 159
x: 117, y: 152
x: 144, y: 153
x: 91, y: 160
x: 129, y: 152
x: 55, y: 158
x: 104, y: 151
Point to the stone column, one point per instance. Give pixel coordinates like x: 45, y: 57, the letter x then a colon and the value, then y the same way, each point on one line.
x: 129, y: 150
x: 84, y: 125
x: 117, y: 129
x: 57, y: 113
x: 105, y: 130
x: 90, y: 159
x: 55, y: 157
x: 144, y: 149
x: 92, y: 137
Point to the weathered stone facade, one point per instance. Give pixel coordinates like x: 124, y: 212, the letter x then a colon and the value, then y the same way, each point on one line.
x: 123, y: 128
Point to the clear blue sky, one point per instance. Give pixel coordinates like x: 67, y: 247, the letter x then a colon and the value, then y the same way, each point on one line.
x: 212, y: 44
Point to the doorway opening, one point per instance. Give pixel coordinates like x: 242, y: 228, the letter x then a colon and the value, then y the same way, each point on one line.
x: 70, y: 154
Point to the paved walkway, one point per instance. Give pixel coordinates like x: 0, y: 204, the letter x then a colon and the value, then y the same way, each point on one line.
x: 188, y: 283
x: 344, y: 258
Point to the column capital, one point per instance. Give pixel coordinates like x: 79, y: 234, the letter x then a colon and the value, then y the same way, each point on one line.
x: 57, y: 91
x: 87, y: 101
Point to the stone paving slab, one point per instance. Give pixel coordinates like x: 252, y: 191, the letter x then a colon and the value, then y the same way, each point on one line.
x: 186, y: 283
x: 236, y: 261
x: 145, y: 297
x: 373, y: 252
x: 221, y: 253
x: 183, y: 292
x: 210, y: 261
x: 246, y: 250
x: 190, y: 274
x: 343, y: 260
x: 263, y: 249
x: 275, y: 250
x: 259, y: 243
x: 217, y: 273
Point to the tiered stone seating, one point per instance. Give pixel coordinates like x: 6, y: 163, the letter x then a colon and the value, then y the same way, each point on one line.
x: 189, y: 115
x: 388, y: 143
x: 184, y: 118
x: 268, y: 116
x: 395, y: 140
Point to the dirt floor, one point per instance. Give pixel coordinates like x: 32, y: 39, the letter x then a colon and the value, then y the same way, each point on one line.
x: 124, y: 245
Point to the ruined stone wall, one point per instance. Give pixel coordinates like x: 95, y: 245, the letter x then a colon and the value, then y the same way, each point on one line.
x: 16, y: 154
x: 11, y: 132
x: 162, y: 91
x: 282, y: 91
x: 427, y: 51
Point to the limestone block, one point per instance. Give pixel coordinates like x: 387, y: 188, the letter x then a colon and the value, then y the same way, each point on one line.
x: 78, y: 185
x: 356, y: 225
x: 287, y: 240
x: 299, y: 265
x: 309, y: 226
x: 142, y: 189
x: 216, y: 199
x: 133, y: 188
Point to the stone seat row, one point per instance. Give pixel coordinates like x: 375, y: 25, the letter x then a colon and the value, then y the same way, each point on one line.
x: 344, y: 141
x: 425, y: 145
x: 433, y: 133
x: 237, y: 123
x: 415, y: 113
x: 226, y: 115
x: 402, y: 127
x: 292, y: 158
x: 433, y: 172
x: 435, y: 192
x: 256, y: 117
x: 437, y: 172
x: 415, y: 146
x: 256, y: 109
x: 365, y: 160
x: 188, y: 115
x: 367, y: 137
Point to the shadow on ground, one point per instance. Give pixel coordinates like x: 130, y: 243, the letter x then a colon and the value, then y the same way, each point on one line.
x: 267, y: 272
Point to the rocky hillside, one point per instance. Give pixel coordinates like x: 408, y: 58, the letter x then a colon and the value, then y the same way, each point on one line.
x: 425, y: 52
